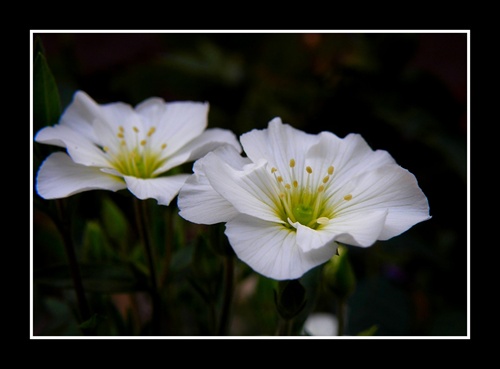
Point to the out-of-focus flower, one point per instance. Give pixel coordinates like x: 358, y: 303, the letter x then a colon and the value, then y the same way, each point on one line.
x: 115, y: 146
x: 295, y: 195
x: 321, y: 324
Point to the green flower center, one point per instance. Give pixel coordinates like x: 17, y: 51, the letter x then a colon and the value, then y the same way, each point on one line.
x: 306, y: 203
x: 136, y: 157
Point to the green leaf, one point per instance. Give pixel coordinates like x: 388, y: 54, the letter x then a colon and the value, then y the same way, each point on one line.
x: 38, y: 47
x: 96, y: 277
x: 339, y: 275
x: 90, y: 324
x: 95, y: 245
x: 115, y: 224
x: 46, y: 101
x: 369, y: 331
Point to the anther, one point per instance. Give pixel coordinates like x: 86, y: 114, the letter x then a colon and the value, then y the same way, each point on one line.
x: 105, y: 149
x: 143, y: 142
x: 292, y: 163
x: 326, y: 179
x: 273, y: 169
x: 309, y: 170
x: 321, y: 188
x: 322, y: 220
x: 163, y: 146
x: 348, y: 197
x: 279, y: 179
x: 287, y: 186
x: 151, y: 131
x: 120, y: 135
x: 330, y: 170
x: 120, y: 128
x: 295, y: 184
x: 136, y: 130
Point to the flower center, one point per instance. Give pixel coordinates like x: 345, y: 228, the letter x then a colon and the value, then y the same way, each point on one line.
x: 133, y: 154
x: 305, y: 199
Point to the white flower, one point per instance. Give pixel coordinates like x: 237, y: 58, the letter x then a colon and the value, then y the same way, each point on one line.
x: 114, y: 146
x: 296, y: 195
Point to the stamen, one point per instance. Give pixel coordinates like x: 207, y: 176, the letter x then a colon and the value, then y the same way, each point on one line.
x: 151, y: 131
x: 273, y: 169
x: 279, y: 179
x: 321, y: 188
x: 348, y: 197
x: 323, y: 220
x: 330, y: 170
x: 295, y: 184
x: 326, y: 179
x: 292, y: 163
x: 309, y: 170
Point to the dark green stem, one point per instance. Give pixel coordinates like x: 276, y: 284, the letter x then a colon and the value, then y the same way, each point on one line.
x: 228, y: 295
x: 74, y: 268
x: 285, y: 327
x: 141, y: 219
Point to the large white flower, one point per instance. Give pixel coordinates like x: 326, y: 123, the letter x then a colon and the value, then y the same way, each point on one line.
x: 114, y: 146
x: 295, y: 195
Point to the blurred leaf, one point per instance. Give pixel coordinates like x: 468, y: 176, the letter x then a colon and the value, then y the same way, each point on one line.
x: 208, y: 61
x: 97, y: 277
x: 339, y: 275
x: 38, y: 47
x: 369, y: 332
x: 95, y: 245
x: 46, y: 102
x: 90, y: 324
x: 60, y: 320
x: 182, y: 258
x: 115, y: 223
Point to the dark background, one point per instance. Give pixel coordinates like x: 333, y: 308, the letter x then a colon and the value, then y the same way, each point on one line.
x: 403, y: 92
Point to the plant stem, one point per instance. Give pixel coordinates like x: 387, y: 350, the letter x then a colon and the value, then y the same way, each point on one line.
x: 141, y: 219
x: 228, y: 295
x: 285, y: 327
x: 76, y: 277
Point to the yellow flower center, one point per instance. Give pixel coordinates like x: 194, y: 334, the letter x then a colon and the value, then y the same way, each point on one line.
x: 135, y: 158
x: 307, y: 203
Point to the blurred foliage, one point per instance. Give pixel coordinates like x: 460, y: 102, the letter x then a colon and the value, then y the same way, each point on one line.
x: 404, y: 93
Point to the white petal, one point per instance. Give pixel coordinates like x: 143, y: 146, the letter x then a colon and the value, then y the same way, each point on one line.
x: 390, y: 188
x: 80, y: 114
x: 271, y: 249
x: 251, y: 191
x: 349, y: 156
x: 60, y: 177
x: 176, y: 124
x: 163, y: 189
x: 198, y: 201
x: 310, y: 239
x: 356, y: 229
x: 278, y: 144
x: 208, y: 141
x: 80, y: 148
